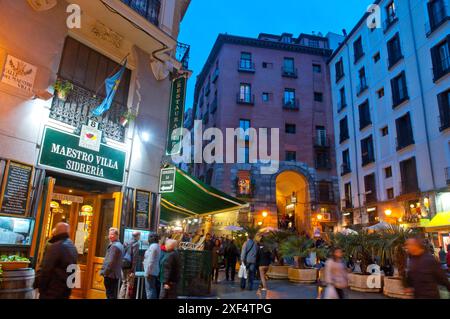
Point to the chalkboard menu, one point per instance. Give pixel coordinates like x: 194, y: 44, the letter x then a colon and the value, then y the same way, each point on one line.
x: 16, y: 188
x: 142, y: 209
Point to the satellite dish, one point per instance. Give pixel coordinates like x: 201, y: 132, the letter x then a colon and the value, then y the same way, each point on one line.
x: 42, y: 5
x: 160, y: 70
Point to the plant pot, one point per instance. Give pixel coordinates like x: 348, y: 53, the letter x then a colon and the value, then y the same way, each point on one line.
x: 393, y: 287
x: 62, y: 95
x: 278, y: 272
x: 302, y: 276
x: 364, y: 283
x: 14, y: 265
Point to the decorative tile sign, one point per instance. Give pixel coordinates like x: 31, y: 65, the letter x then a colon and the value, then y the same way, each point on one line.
x: 19, y: 74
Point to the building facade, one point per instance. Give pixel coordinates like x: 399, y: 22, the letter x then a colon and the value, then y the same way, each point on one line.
x: 93, y: 172
x: 273, y: 82
x: 390, y: 92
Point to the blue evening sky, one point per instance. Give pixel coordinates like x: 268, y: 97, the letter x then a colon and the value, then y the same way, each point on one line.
x: 205, y: 19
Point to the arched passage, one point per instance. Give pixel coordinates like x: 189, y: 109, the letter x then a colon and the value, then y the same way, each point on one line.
x: 292, y: 196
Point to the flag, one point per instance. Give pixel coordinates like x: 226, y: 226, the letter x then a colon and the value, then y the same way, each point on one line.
x: 111, y: 85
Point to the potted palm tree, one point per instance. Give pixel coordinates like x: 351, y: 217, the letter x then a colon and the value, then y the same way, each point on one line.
x: 273, y: 240
x: 300, y: 247
x: 390, y: 249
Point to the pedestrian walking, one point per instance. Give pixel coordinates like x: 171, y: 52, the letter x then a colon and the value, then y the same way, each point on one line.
x: 208, y: 244
x: 151, y: 267
x: 442, y: 257
x: 424, y: 273
x: 170, y: 270
x: 231, y: 255
x: 215, y: 264
x: 248, y: 259
x: 265, y: 258
x: 52, y: 276
x: 129, y: 265
x: 112, y: 264
x: 335, y: 275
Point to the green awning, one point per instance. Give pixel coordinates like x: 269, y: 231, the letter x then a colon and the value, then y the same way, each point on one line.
x: 193, y: 197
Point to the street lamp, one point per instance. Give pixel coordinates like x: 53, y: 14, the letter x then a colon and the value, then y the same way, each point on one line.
x: 388, y: 212
x: 264, y: 214
x: 319, y: 216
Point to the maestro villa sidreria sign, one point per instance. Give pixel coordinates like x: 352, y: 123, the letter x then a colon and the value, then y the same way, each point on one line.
x: 63, y: 152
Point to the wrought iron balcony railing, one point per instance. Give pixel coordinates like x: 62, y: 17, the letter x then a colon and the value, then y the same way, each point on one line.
x: 409, y: 186
x: 77, y: 107
x: 149, y: 9
x: 291, y: 104
x: 245, y: 99
x: 289, y: 72
x: 246, y: 66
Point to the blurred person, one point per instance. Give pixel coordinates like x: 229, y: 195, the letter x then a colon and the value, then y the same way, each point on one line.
x: 442, y: 257
x: 231, y: 255
x: 448, y: 258
x: 248, y: 259
x: 424, y: 273
x: 215, y: 256
x: 129, y: 265
x: 265, y: 258
x: 208, y: 244
x: 52, y: 275
x: 151, y: 267
x: 112, y: 264
x: 336, y: 274
x: 170, y: 270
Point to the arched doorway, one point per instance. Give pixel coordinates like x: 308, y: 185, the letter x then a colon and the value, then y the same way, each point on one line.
x: 292, y: 196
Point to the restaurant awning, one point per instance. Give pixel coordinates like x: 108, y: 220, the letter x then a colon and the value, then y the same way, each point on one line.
x: 441, y: 220
x: 192, y: 197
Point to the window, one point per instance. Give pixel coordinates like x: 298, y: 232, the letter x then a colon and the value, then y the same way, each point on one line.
x: 384, y: 131
x: 317, y: 68
x: 325, y: 192
x: 339, y: 69
x: 362, y: 86
x: 376, y: 57
x: 394, y: 50
x: 289, y: 100
x: 289, y: 69
x: 318, y: 96
x: 243, y: 183
x: 343, y: 130
x: 348, y: 195
x: 358, y: 49
x: 408, y: 173
x: 313, y: 43
x: 246, y: 61
x: 399, y: 89
x: 404, y: 131
x: 267, y: 65
x: 245, y: 125
x: 388, y: 172
x: 367, y: 153
x: 290, y: 128
x: 245, y: 93
x: 380, y: 93
x: 391, y: 15
x: 342, y: 99
x: 444, y: 110
x: 364, y: 115
x: 291, y: 156
x: 370, y: 188
x: 390, y: 193
x: 266, y: 97
x: 437, y: 15
x: 346, y: 165
x: 321, y: 136
x: 440, y: 55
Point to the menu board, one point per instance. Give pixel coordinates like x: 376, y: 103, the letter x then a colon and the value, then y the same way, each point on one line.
x: 16, y: 186
x: 142, y: 209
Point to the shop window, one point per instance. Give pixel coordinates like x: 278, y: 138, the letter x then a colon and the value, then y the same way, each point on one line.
x: 105, y: 223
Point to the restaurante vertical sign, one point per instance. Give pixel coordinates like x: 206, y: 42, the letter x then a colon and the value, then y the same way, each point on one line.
x: 176, y: 115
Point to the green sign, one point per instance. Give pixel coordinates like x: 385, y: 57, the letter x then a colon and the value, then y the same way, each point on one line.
x: 61, y: 151
x: 167, y: 180
x: 176, y: 115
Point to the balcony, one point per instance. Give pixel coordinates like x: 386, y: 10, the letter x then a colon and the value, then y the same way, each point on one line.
x: 403, y: 142
x: 321, y: 141
x: 409, y: 186
x: 76, y: 110
x: 325, y: 193
x: 246, y: 66
x: 343, y: 137
x: 346, y: 203
x: 441, y: 68
x: 389, y: 22
x: 248, y: 99
x: 341, y: 105
x: 447, y: 175
x: 394, y: 59
x: 362, y: 87
x: 345, y: 169
x: 436, y: 20
x: 149, y: 9
x: 291, y: 104
x: 366, y: 159
x: 182, y: 54
x: 370, y: 197
x: 322, y: 163
x: 444, y: 121
x: 289, y: 72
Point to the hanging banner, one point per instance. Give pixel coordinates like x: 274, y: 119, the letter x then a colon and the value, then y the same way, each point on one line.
x: 176, y: 115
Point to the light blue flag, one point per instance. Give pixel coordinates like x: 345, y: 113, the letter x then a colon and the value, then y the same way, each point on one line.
x: 111, y: 85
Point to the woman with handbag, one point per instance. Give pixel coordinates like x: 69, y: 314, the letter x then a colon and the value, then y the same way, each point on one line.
x: 335, y: 275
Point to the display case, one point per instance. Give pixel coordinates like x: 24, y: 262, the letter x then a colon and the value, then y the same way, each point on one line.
x: 16, y: 231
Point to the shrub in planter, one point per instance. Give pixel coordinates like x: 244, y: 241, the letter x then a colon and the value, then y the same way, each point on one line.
x: 274, y: 240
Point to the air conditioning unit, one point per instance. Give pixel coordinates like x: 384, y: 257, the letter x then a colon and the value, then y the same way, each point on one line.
x: 42, y: 5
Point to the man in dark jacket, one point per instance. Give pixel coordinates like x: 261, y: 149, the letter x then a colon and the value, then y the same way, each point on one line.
x: 424, y: 272
x: 170, y: 268
x: 112, y: 264
x: 129, y: 265
x: 231, y: 254
x: 53, y: 274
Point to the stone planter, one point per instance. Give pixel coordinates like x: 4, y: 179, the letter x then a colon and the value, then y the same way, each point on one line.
x: 302, y: 276
x: 278, y: 272
x: 360, y: 282
x: 393, y: 287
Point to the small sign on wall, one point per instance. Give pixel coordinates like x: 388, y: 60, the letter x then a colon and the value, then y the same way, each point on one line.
x: 19, y: 74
